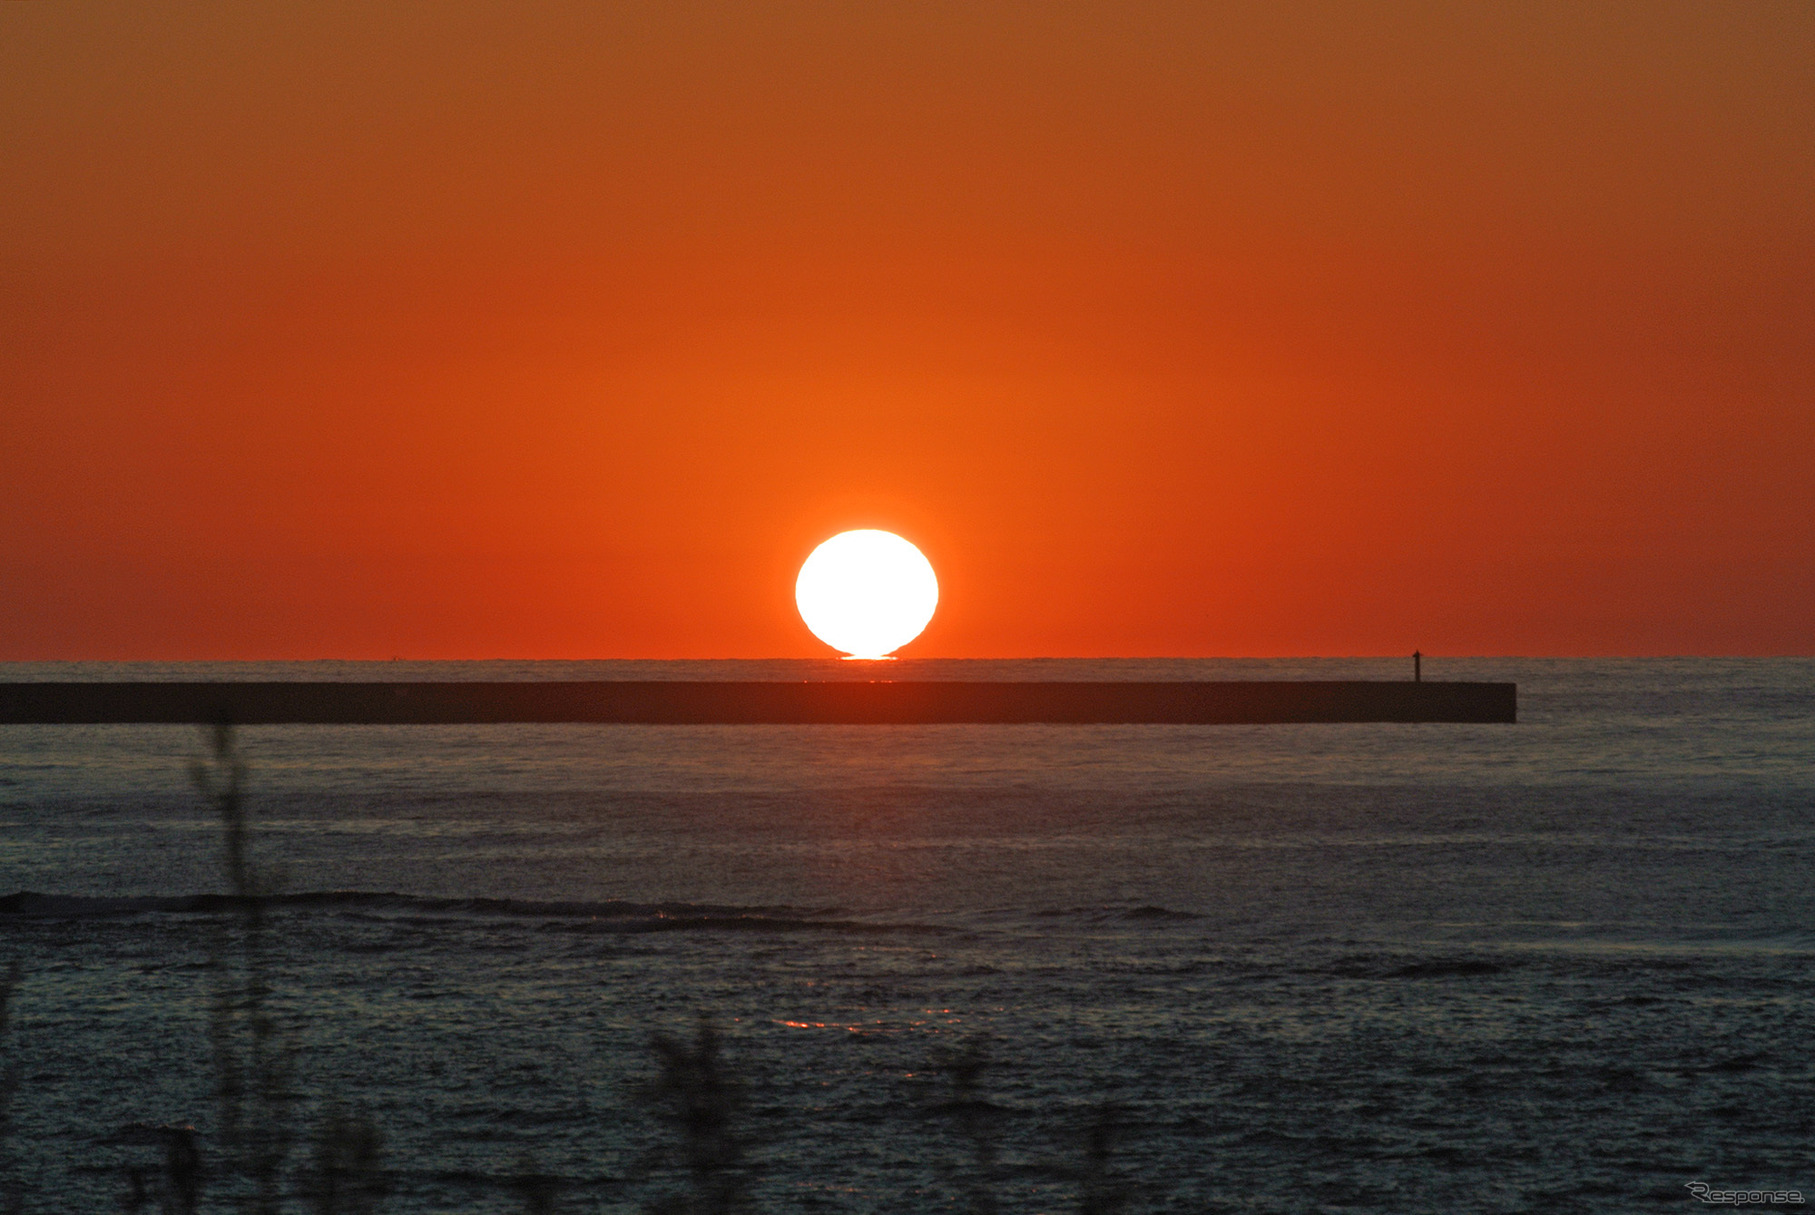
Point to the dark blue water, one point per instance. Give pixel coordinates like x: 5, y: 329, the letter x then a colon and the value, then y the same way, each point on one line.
x: 1562, y: 965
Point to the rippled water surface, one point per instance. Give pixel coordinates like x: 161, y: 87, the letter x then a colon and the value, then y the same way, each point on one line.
x: 1562, y: 965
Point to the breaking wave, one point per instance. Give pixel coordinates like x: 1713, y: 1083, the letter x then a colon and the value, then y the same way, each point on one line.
x: 611, y: 915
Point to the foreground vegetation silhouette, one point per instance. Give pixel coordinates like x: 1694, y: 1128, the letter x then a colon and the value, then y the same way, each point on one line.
x: 703, y: 1164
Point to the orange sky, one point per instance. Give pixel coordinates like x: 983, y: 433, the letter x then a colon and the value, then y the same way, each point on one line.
x: 450, y: 330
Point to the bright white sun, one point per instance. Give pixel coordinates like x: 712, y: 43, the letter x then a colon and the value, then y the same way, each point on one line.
x: 866, y: 593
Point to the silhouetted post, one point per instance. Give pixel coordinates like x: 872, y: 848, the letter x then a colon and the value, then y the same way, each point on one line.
x: 1417, y: 667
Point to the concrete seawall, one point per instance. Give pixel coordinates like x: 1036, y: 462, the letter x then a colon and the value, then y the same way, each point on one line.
x: 699, y: 703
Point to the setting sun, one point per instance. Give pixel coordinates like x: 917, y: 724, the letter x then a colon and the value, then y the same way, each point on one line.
x: 866, y: 592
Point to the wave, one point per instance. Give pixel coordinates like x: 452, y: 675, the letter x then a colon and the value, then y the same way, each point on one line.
x: 1150, y: 912
x: 1421, y: 968
x: 1104, y: 915
x: 611, y: 915
x: 1446, y: 968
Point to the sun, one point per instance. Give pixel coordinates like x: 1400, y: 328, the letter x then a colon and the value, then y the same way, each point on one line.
x: 866, y: 592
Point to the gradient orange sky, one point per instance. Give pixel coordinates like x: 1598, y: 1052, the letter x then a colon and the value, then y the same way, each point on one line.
x: 454, y: 330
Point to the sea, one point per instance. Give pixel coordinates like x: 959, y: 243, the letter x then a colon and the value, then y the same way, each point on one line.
x: 1561, y: 965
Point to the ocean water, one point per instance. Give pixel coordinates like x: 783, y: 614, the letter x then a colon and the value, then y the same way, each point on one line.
x: 1560, y: 965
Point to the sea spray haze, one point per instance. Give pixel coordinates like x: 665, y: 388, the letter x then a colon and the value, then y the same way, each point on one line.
x: 1366, y: 968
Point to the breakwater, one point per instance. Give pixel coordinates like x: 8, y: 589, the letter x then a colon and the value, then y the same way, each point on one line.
x: 670, y: 702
